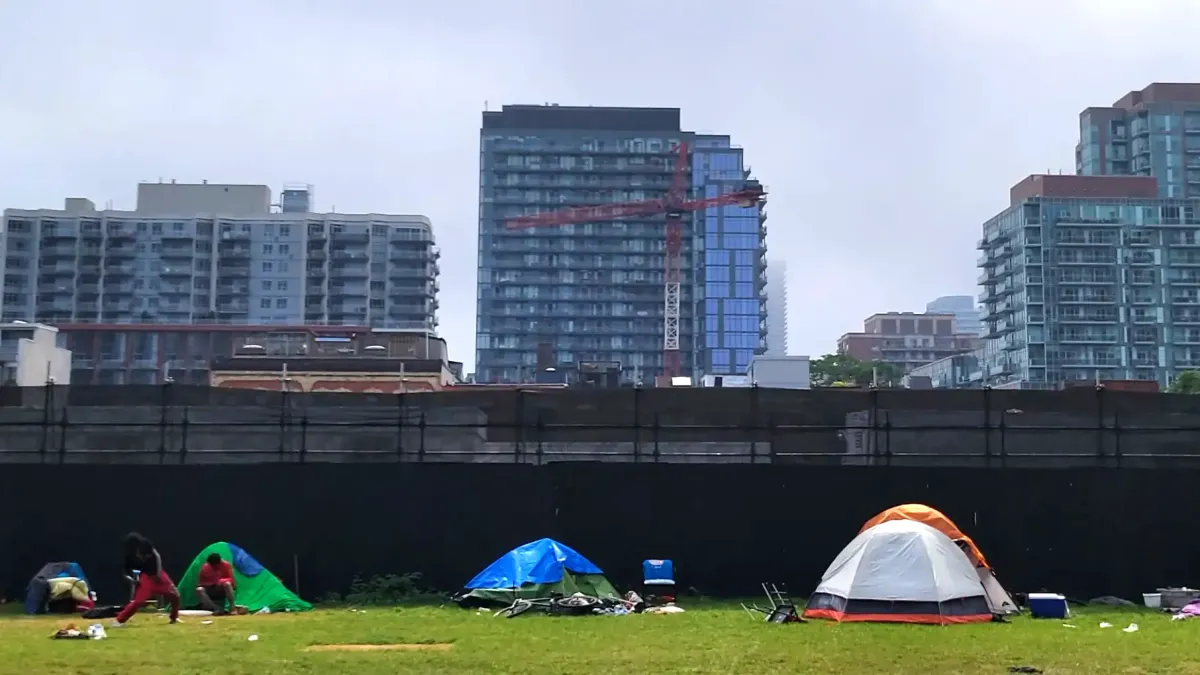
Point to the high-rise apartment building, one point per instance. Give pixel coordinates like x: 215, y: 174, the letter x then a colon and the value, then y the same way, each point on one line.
x: 1089, y: 277
x: 731, y: 310
x: 578, y: 297
x: 962, y: 307
x: 777, y: 305
x: 1152, y: 132
x: 215, y: 255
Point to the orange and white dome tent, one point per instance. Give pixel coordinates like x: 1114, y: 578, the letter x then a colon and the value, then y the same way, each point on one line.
x: 900, y: 571
x: 998, y: 598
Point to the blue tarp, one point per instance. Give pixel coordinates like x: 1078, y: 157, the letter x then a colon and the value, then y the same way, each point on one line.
x: 538, y: 562
x: 244, y: 562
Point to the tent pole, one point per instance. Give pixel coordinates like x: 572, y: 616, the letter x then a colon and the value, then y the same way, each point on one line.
x: 296, y: 572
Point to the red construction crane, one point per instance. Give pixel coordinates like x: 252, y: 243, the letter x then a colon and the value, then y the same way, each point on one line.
x: 674, y: 204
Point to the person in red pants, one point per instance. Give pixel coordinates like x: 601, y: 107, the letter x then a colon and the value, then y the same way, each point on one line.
x: 142, y: 559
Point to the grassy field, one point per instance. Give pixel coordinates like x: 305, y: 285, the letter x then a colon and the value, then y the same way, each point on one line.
x: 712, y: 639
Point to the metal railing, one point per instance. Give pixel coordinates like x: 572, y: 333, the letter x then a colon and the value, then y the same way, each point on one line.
x: 183, y: 424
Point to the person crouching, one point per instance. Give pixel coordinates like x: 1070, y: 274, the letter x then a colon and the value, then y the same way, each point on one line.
x: 216, y: 585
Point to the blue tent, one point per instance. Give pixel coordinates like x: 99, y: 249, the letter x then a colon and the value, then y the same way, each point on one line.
x: 538, y: 569
x: 37, y: 594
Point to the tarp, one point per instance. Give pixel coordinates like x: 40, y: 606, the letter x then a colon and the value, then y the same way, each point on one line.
x: 900, y: 571
x: 37, y: 593
x: 539, y: 569
x: 933, y: 518
x: 540, y: 562
x: 255, y: 588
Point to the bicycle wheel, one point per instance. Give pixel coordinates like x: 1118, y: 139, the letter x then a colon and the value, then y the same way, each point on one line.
x: 516, y: 609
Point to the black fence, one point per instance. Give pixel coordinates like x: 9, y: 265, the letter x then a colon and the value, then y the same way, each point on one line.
x: 181, y: 424
x: 1083, y: 532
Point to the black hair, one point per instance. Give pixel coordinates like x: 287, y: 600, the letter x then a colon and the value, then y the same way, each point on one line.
x: 135, y: 543
x: 132, y: 541
x: 214, y: 559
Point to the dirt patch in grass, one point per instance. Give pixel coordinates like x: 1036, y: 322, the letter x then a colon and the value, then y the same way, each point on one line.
x: 433, y: 647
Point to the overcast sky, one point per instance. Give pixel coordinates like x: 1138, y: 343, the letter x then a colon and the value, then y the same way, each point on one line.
x: 885, y: 131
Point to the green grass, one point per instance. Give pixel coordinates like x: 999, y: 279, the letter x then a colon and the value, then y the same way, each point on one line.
x: 709, y: 639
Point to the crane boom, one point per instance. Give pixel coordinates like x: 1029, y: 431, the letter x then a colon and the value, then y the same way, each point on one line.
x: 674, y: 204
x: 649, y: 207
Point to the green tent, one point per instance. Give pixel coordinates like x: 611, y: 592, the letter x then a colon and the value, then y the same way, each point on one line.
x: 255, y: 588
x: 539, y: 569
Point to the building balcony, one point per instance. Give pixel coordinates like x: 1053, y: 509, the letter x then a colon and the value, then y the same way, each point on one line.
x: 355, y: 238
x: 233, y: 235
x: 1087, y: 338
x: 233, y: 252
x: 354, y: 272
x: 234, y: 269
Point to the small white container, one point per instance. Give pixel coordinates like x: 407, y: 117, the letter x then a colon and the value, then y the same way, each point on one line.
x: 1152, y: 600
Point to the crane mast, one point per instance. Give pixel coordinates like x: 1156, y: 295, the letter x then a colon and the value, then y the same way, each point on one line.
x: 675, y: 205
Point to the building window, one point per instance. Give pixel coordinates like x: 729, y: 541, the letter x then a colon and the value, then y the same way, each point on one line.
x: 268, y: 267
x: 268, y: 248
x: 284, y: 248
x: 281, y: 285
x: 281, y: 303
x: 265, y: 303
x: 285, y: 230
x: 266, y: 284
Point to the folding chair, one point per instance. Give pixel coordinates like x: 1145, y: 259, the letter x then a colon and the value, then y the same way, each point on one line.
x: 783, y: 608
x: 658, y: 582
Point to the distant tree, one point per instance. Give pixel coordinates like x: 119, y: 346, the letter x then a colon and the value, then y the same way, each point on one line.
x: 843, y: 370
x: 1187, y: 382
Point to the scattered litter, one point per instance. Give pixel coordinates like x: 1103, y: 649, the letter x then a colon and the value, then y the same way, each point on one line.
x: 1069, y: 625
x: 1131, y: 628
x: 205, y: 623
x: 1023, y: 669
x: 70, y: 632
x: 664, y: 609
x: 433, y: 646
x: 1188, y: 611
x: 195, y: 612
x: 264, y: 610
x: 253, y: 638
x: 1105, y: 624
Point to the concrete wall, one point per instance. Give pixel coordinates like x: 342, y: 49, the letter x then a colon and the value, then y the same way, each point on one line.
x: 180, y: 424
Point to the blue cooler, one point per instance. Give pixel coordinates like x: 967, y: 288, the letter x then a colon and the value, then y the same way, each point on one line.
x: 1048, y: 606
